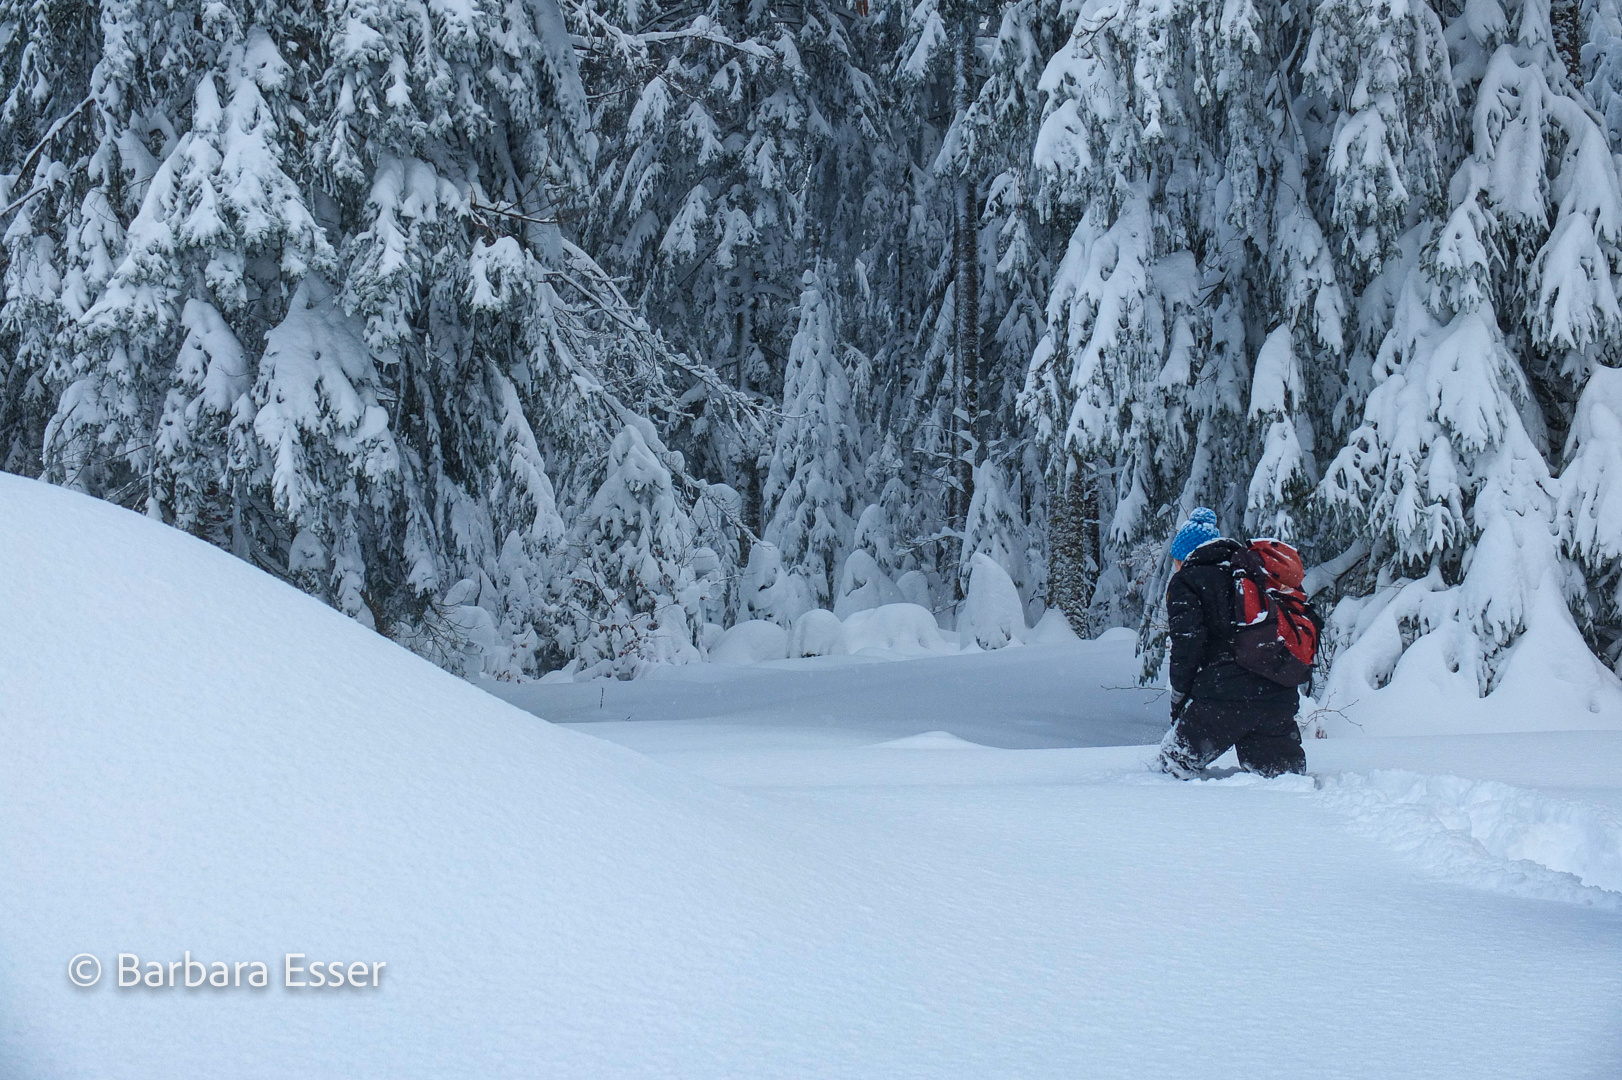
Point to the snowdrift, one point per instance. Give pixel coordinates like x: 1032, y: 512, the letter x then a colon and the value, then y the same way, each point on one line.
x: 1548, y: 681
x: 195, y: 757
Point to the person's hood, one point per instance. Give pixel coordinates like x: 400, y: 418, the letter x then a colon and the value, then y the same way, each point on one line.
x: 1214, y: 552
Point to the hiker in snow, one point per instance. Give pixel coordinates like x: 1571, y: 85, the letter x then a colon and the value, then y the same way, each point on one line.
x: 1231, y: 607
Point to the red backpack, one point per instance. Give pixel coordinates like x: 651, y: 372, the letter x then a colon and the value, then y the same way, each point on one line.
x: 1275, y: 630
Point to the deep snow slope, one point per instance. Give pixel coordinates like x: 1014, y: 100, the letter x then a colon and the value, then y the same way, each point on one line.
x: 196, y: 757
x: 828, y: 879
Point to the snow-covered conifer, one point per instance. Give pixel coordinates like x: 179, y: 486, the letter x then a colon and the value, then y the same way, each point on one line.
x: 996, y: 529
x: 46, y: 120
x: 1384, y: 71
x: 1286, y: 472
x: 730, y: 146
x: 305, y: 299
x: 1176, y: 141
x: 1449, y: 470
x: 633, y: 598
x: 1591, y: 508
x: 157, y: 373
x: 811, y: 486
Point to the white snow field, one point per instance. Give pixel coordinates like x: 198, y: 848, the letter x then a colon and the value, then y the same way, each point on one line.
x: 830, y: 867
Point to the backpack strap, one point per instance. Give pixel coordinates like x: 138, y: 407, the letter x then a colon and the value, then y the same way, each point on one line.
x: 1250, y: 590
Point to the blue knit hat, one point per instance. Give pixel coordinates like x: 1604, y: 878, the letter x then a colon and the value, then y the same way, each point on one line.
x: 1200, y: 528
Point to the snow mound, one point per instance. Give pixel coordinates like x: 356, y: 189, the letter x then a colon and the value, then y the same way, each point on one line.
x: 1549, y: 681
x: 817, y: 633
x: 993, y: 615
x: 753, y: 641
x: 895, y: 629
x: 1053, y: 629
x: 931, y: 740
x: 195, y: 757
x: 1487, y: 834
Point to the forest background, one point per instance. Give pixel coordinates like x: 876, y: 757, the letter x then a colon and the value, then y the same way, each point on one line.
x: 564, y: 334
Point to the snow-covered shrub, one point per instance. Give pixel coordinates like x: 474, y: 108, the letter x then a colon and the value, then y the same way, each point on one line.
x: 770, y: 592
x: 753, y: 641
x: 905, y: 629
x: 862, y: 585
x: 462, y: 637
x: 818, y: 632
x: 914, y: 589
x: 993, y: 615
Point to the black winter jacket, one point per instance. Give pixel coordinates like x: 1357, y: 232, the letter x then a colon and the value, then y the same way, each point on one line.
x: 1199, y: 608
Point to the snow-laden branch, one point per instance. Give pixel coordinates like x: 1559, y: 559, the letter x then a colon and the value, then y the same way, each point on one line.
x: 54, y: 130
x: 701, y: 29
x: 33, y: 156
x: 607, y: 298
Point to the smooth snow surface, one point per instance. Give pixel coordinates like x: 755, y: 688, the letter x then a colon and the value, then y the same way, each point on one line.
x: 816, y: 874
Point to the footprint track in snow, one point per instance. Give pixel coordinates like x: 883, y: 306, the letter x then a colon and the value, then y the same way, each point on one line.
x: 1486, y: 834
x: 1480, y: 833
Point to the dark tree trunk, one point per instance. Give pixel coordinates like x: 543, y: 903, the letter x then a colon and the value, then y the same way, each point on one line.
x: 1566, y: 20
x: 1073, y: 549
x: 966, y: 256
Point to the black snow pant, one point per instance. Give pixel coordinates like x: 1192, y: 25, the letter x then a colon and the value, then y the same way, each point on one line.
x: 1263, y: 733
